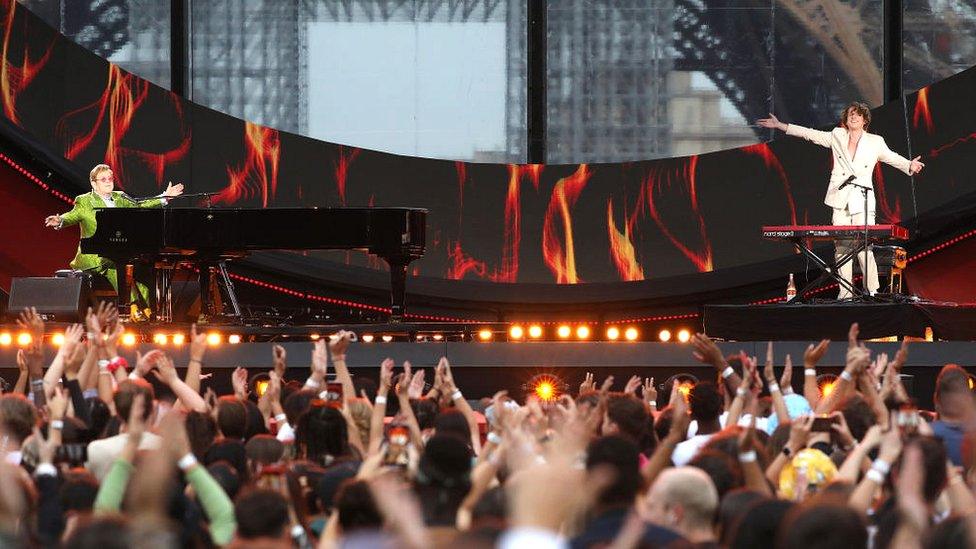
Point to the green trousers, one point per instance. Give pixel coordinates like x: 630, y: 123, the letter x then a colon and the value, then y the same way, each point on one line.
x: 108, y: 270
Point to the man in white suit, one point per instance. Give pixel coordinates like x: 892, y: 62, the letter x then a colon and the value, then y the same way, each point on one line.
x: 855, y: 153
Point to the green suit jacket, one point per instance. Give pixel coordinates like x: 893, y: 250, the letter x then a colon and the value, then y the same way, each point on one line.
x: 84, y: 214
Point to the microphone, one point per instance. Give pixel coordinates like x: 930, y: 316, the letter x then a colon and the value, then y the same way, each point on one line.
x: 850, y: 181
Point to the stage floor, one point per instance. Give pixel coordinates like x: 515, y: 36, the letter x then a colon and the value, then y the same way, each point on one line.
x: 795, y: 321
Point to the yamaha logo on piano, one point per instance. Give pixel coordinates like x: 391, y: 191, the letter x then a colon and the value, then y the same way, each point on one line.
x: 118, y: 238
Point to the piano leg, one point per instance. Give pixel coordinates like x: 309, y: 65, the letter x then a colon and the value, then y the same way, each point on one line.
x: 398, y: 290
x: 125, y: 282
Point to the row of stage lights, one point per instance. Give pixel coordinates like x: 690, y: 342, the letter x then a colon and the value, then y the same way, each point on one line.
x: 515, y: 332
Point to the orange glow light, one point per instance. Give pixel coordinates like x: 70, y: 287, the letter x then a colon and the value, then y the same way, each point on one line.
x: 6, y: 339
x: 24, y: 339
x: 516, y: 332
x: 484, y: 334
x: 613, y: 333
x: 57, y: 339
x: 631, y: 334
x: 685, y: 389
x: 827, y: 388
x: 564, y: 331
x: 545, y: 391
x: 684, y: 336
x: 438, y: 337
x: 213, y: 339
x: 583, y: 332
x: 664, y: 335
x: 234, y: 339
x: 160, y: 338
x: 178, y: 339
x: 367, y: 338
x: 387, y: 338
x: 535, y: 331
x: 128, y: 339
x: 313, y: 337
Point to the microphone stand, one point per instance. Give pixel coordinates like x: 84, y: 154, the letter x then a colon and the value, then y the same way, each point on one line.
x: 206, y: 195
x: 864, y: 191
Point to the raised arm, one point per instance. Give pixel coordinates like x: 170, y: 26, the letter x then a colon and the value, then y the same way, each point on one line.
x: 895, y: 160
x: 379, y: 407
x: 819, y: 137
x: 462, y: 405
x: 338, y: 344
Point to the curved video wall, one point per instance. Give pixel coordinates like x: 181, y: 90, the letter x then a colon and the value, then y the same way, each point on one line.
x: 564, y: 224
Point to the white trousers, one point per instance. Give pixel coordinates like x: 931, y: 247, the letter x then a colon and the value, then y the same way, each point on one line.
x: 843, y: 247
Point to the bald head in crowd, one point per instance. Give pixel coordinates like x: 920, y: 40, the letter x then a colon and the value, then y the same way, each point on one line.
x: 684, y: 500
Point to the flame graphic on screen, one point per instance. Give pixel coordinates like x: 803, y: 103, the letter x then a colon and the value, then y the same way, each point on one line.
x: 622, y: 248
x: 535, y: 172
x: 461, y: 263
x: 887, y: 213
x: 346, y: 156
x: 259, y: 174
x: 15, y: 78
x: 922, y: 112
x: 116, y: 108
x: 662, y: 178
x: 560, y: 255
x: 773, y: 164
x: 513, y: 227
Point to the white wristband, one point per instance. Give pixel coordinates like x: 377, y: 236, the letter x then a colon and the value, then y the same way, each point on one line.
x: 845, y: 375
x: 103, y: 365
x: 810, y: 372
x: 281, y: 418
x: 741, y: 392
x: 881, y: 466
x: 456, y: 395
x: 134, y: 375
x: 788, y: 391
x: 57, y: 424
x: 876, y: 476
x: 380, y: 399
x: 774, y: 387
x: 494, y: 438
x: 727, y: 372
x: 186, y: 462
x: 311, y: 383
x: 652, y: 403
x: 747, y: 457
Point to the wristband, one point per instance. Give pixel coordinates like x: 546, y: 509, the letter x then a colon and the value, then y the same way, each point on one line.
x: 741, y: 392
x: 810, y: 372
x: 133, y: 375
x: 652, y: 403
x: 187, y: 461
x: 312, y: 383
x: 46, y: 469
x: 875, y: 475
x: 103, y: 364
x: 747, y: 457
x: 846, y: 375
x: 727, y: 372
x: 281, y: 418
x: 297, y: 531
x: 116, y: 363
x: 456, y: 395
x: 788, y: 391
x: 494, y: 438
x: 774, y: 387
x: 380, y: 399
x: 37, y: 383
x: 57, y: 424
x: 881, y: 466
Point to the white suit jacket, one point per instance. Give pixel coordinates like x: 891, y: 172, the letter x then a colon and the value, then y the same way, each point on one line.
x: 870, y: 149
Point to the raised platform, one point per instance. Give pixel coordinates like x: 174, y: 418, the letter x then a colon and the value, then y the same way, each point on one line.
x: 794, y: 321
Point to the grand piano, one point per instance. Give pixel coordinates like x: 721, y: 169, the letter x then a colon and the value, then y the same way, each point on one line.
x: 208, y: 237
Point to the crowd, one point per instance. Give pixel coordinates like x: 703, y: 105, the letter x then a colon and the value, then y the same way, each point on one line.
x: 102, y: 452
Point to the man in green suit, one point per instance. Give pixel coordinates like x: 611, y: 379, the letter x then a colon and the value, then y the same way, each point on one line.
x: 104, y: 195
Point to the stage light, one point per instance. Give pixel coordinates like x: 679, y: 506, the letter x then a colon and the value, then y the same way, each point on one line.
x: 535, y: 331
x: 613, y: 333
x: 971, y: 384
x: 685, y: 389
x: 178, y: 339
x: 387, y: 338
x: 213, y: 339
x: 544, y: 391
x: 564, y: 331
x: 484, y: 334
x: 24, y: 339
x: 684, y: 335
x: 684, y: 382
x: 234, y: 339
x: 128, y: 339
x: 545, y: 387
x: 631, y: 334
x: 367, y: 338
x: 438, y: 337
x: 826, y: 383
x: 313, y: 337
x: 664, y: 335
x: 6, y: 339
x: 160, y: 338
x: 583, y: 332
x: 57, y: 339
x: 516, y: 332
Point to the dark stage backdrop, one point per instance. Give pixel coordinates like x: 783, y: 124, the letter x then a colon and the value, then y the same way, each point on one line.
x: 629, y: 221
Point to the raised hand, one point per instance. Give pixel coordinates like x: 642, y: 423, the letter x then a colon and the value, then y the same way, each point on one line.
x: 814, y: 353
x: 707, y: 352
x: 165, y: 370
x: 386, y: 374
x: 648, y: 390
x: 57, y: 404
x: 146, y: 362
x: 786, y: 380
x: 588, y: 383
x: 915, y: 166
x: 800, y: 432
x: 320, y: 364
x: 771, y: 122
x: 632, y: 385
x: 768, y: 371
x: 198, y: 344
x: 338, y: 344
x: 279, y: 357
x: 32, y: 322
x: 417, y: 384
x: 72, y: 339
x: 607, y: 383
x: 239, y: 381
x: 852, y: 334
x: 52, y: 221
x: 172, y: 190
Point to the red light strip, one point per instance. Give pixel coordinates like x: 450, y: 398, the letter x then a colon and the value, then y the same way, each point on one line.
x: 36, y: 180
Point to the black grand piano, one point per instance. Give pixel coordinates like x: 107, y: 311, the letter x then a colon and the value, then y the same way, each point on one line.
x: 208, y: 237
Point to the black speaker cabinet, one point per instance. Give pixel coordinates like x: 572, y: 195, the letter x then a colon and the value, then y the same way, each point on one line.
x: 56, y: 299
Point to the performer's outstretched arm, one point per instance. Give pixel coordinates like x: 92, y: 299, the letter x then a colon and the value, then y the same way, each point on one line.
x: 819, y: 137
x: 910, y: 167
